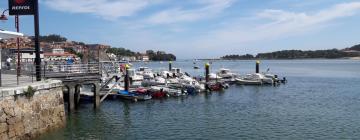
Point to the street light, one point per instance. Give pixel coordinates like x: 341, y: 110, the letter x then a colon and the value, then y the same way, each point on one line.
x: 4, y: 18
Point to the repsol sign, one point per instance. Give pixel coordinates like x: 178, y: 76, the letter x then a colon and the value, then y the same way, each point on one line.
x: 21, y: 7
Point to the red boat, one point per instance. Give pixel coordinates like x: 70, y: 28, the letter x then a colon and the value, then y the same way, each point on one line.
x: 141, y: 90
x: 158, y: 94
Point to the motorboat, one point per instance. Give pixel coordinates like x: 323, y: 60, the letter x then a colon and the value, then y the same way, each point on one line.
x: 145, y: 72
x: 214, y: 76
x: 154, y: 82
x: 157, y: 92
x: 171, y: 91
x: 133, y: 96
x: 134, y: 76
x: 225, y: 73
x: 217, y: 86
x: 254, y: 79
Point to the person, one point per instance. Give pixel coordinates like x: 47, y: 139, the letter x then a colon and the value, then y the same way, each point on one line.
x: 8, y: 63
x: 70, y: 61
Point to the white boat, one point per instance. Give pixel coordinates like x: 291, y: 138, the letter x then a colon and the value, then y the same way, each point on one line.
x: 225, y: 73
x: 134, y: 76
x: 172, y: 92
x: 254, y: 79
x: 148, y: 74
x: 214, y: 76
x: 154, y: 82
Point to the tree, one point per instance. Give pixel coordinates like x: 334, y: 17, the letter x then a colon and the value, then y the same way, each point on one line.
x: 52, y: 38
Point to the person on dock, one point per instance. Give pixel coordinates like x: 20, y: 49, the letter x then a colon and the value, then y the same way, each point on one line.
x: 8, y: 63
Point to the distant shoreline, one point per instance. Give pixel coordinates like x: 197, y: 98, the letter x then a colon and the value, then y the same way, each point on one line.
x: 343, y: 58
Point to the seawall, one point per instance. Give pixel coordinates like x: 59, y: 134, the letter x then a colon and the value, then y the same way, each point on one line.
x: 25, y: 113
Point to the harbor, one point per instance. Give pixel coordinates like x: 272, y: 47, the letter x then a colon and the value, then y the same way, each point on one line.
x: 125, y: 81
x: 173, y: 70
x: 305, y: 105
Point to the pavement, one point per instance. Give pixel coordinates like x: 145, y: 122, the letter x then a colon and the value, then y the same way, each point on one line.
x: 10, y: 80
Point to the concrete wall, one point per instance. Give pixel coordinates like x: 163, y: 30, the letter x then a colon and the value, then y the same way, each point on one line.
x: 24, y: 117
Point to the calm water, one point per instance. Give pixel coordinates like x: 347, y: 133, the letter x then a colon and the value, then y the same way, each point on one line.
x: 321, y: 101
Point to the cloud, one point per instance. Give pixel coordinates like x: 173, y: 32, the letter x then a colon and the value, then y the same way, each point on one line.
x: 274, y: 24
x: 208, y: 8
x: 107, y: 9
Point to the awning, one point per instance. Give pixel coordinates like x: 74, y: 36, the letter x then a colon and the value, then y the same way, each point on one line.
x: 9, y: 34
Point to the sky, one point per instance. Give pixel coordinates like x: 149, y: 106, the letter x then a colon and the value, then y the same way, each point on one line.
x: 200, y: 28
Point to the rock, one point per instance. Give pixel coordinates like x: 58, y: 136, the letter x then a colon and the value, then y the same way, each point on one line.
x: 21, y: 118
x: 11, y: 134
x: 3, y: 118
x: 4, y: 136
x: 11, y: 120
x: 3, y: 127
x: 9, y: 111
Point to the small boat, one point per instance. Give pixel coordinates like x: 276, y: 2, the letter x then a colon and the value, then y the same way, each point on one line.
x: 225, y: 74
x: 127, y: 95
x: 254, y: 79
x: 133, y: 96
x: 146, y: 72
x: 157, y: 93
x: 218, y: 86
x: 134, y: 76
x: 214, y: 76
x: 242, y: 81
x: 196, y: 67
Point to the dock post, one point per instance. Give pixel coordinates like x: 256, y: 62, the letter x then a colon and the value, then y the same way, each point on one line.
x: 207, y: 74
x: 257, y: 66
x: 77, y: 96
x: 170, y: 65
x: 126, y: 78
x: 71, y: 104
x: 96, y: 95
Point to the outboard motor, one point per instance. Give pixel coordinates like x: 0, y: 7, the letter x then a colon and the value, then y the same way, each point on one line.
x: 284, y: 80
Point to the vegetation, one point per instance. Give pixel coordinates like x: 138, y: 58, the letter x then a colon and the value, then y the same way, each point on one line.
x: 160, y: 56
x: 238, y: 57
x: 354, y: 48
x: 153, y: 56
x: 72, y: 51
x: 52, y: 38
x: 121, y: 52
x: 293, y: 54
x: 30, y: 92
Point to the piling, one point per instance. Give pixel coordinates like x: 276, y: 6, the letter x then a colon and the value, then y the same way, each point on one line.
x: 126, y: 81
x: 257, y: 66
x: 207, y: 74
x: 170, y: 65
x: 71, y: 90
x: 96, y: 95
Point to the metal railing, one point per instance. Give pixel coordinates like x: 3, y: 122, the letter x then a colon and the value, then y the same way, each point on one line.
x: 69, y: 70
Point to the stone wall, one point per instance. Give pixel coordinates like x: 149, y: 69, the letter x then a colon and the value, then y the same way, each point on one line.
x: 25, y: 117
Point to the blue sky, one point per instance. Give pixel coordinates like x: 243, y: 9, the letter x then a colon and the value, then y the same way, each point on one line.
x: 201, y: 28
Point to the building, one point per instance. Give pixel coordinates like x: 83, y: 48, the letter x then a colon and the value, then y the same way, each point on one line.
x: 26, y: 54
x: 59, y: 54
x: 143, y: 57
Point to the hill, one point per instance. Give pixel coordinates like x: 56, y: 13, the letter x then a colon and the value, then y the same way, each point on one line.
x: 295, y: 54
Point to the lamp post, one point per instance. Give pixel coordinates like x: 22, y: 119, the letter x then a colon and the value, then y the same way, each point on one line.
x: 37, y: 42
x: 18, y: 69
x: 3, y: 16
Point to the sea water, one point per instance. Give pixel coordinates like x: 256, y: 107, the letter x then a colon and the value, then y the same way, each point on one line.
x: 320, y: 101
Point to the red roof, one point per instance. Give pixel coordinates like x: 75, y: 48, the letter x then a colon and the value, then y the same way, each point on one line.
x: 59, y: 54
